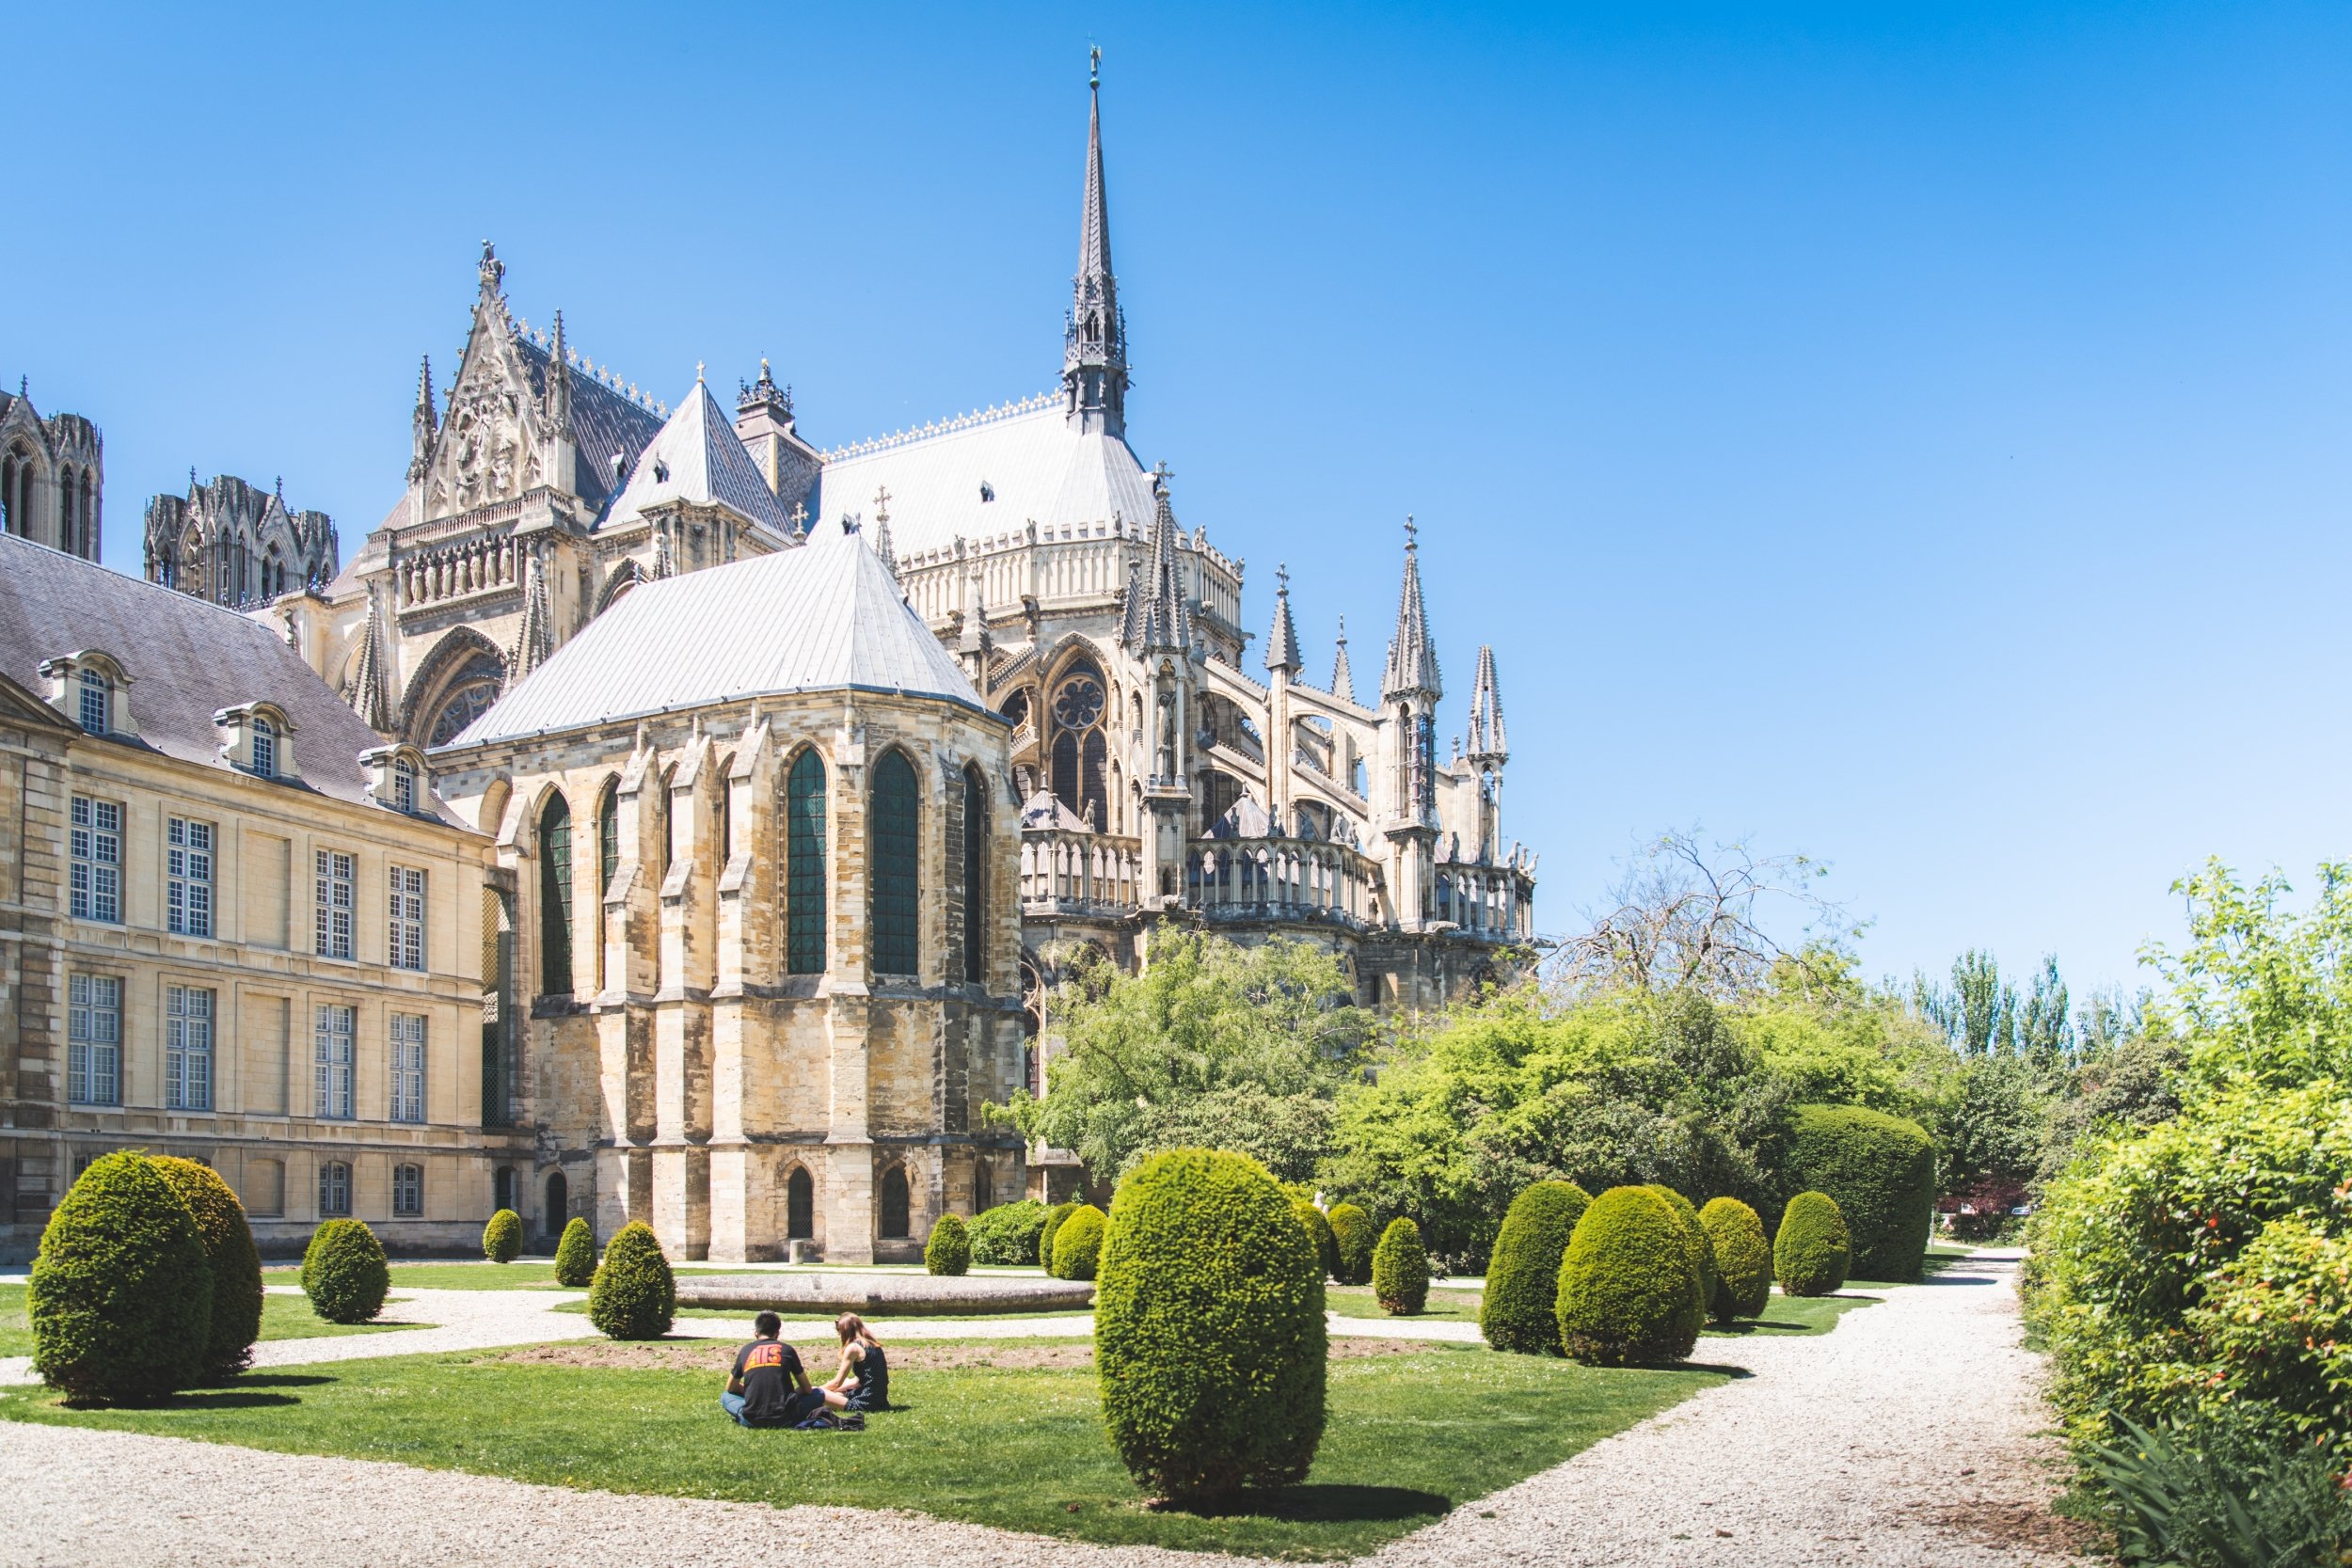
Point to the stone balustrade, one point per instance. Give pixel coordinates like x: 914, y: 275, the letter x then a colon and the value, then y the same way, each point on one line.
x: 1486, y: 900
x: 1065, y: 869
x: 1286, y: 878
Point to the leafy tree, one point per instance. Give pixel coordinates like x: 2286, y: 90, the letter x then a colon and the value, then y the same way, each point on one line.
x: 2261, y: 994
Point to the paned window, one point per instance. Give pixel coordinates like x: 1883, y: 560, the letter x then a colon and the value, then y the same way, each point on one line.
x: 96, y: 872
x: 974, y: 870
x: 555, y: 899
x: 334, y: 1049
x: 897, y: 944
x: 264, y: 748
x: 403, y: 786
x: 338, y: 876
x: 407, y: 1192
x: 408, y: 1067
x: 334, y: 1190
x: 188, y: 877
x: 93, y: 1035
x: 805, y: 867
x: 407, y: 918
x: 187, y: 1049
x: 96, y: 703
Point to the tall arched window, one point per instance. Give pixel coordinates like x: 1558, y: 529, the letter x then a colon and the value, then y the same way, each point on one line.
x: 897, y: 939
x: 90, y: 520
x: 895, y: 1224
x: 805, y: 867
x: 661, y: 822
x: 1080, y: 749
x: 799, y: 1206
x: 727, y: 811
x: 983, y: 1188
x: 608, y: 836
x: 975, y: 876
x: 555, y: 898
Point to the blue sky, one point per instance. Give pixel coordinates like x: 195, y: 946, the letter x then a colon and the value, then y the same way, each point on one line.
x: 1912, y: 435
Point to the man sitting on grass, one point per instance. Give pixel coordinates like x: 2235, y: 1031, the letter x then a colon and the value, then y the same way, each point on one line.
x: 768, y: 1388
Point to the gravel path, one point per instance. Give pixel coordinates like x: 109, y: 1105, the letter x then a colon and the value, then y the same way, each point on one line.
x: 1908, y: 1437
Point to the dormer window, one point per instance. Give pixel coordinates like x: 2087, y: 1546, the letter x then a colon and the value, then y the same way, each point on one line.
x: 660, y: 471
x: 91, y: 687
x: 261, y: 740
x: 404, y: 786
x: 264, y: 748
x: 97, y: 702
x: 396, y: 778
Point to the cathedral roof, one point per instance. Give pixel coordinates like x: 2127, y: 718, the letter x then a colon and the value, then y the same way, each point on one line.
x: 990, y: 474
x: 823, y: 618
x: 697, y: 458
x: 604, y: 422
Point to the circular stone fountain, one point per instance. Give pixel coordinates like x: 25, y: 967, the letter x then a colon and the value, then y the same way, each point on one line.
x: 883, y: 1295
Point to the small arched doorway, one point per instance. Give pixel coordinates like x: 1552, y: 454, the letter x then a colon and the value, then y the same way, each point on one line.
x: 895, y: 1223
x: 502, y: 1188
x: 559, y: 1207
x: 800, y: 1206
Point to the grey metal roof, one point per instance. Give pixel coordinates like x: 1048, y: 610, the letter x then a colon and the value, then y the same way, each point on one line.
x: 187, y: 659
x: 698, y: 458
x: 824, y: 617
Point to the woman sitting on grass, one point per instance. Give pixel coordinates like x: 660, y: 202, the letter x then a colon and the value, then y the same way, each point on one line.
x: 863, y: 1381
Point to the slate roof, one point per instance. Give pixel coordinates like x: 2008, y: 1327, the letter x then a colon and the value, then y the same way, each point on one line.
x: 186, y: 658
x: 821, y: 618
x: 697, y: 457
x: 603, y: 423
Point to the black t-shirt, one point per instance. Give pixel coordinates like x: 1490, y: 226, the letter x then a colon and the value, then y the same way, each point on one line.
x: 770, y: 1373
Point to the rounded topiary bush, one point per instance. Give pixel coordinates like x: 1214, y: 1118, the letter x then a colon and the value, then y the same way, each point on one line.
x: 635, y: 1296
x: 1743, y: 1264
x: 1811, y: 1251
x: 576, y: 1254
x: 1400, y: 1268
x: 1007, y: 1235
x: 1517, y: 1312
x: 1208, y: 1328
x: 950, y: 1250
x: 236, y: 1263
x: 1078, y: 1245
x: 1629, y: 1288
x: 1056, y: 1218
x: 503, y: 1238
x: 1694, y: 1239
x: 1881, y: 1171
x: 1327, y: 1247
x: 344, y: 1272
x: 122, y: 1296
x: 1351, y: 1234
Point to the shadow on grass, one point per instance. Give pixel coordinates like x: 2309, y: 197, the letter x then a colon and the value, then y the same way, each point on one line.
x: 250, y: 1390
x: 1738, y: 1374
x: 1325, y: 1503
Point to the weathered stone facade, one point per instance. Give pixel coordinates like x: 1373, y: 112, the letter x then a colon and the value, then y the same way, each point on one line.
x: 53, y: 477
x: 236, y: 543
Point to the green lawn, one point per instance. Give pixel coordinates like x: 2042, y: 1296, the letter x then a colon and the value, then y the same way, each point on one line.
x: 282, y: 1318
x: 1356, y: 1301
x: 16, y: 1334
x: 1410, y: 1435
x: 744, y: 1314
x: 1792, y: 1316
x: 527, y: 1275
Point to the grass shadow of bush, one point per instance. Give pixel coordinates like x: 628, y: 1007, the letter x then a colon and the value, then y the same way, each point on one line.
x: 1322, y: 1503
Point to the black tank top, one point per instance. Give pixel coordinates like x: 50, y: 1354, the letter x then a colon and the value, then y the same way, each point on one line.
x: 873, y: 1380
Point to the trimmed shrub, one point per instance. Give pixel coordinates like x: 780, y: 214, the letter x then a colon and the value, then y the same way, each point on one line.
x: 1007, y: 1235
x: 1208, y: 1328
x: 1056, y: 1218
x: 122, y: 1297
x: 1078, y: 1245
x: 1351, y: 1233
x: 1881, y: 1171
x: 1694, y: 1239
x: 950, y: 1250
x: 1400, y: 1268
x: 1518, y: 1312
x: 1327, y: 1247
x: 1812, y: 1250
x: 1743, y: 1264
x: 503, y: 1238
x: 344, y: 1272
x: 236, y: 1264
x: 635, y: 1296
x: 576, y: 1254
x: 1628, y: 1287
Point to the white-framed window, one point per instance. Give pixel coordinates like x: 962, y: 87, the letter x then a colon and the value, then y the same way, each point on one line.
x: 338, y: 876
x: 187, y: 1048
x: 333, y: 1049
x: 188, y: 877
x: 264, y: 748
x: 93, y: 1034
x: 96, y: 854
x: 404, y: 786
x: 407, y: 1192
x: 334, y: 1190
x: 97, y: 702
x: 408, y: 1067
x: 407, y: 918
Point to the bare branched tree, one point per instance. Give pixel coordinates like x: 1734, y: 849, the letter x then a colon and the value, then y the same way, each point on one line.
x: 1685, y: 914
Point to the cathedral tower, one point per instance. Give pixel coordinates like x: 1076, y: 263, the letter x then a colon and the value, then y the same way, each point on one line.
x: 1094, y: 355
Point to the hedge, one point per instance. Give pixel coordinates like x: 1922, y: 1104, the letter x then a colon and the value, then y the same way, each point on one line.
x: 1744, y: 1263
x: 1007, y: 1235
x: 122, y: 1296
x: 1519, y: 1310
x: 1351, y: 1233
x: 635, y: 1296
x: 950, y: 1250
x: 236, y: 1263
x: 344, y: 1272
x: 576, y: 1254
x: 503, y: 1238
x: 1880, y: 1170
x: 1326, y: 1245
x: 1400, y: 1270
x: 1811, y: 1252
x: 1078, y: 1245
x: 1056, y: 1218
x: 1208, y: 1328
x: 1694, y: 1239
x: 1628, y: 1287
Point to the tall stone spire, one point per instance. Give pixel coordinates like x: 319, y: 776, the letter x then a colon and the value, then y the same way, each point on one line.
x: 1488, y: 746
x: 1282, y: 643
x: 1412, y: 659
x: 1094, y: 346
x: 1166, y: 617
x: 1343, y: 678
x: 424, y: 423
x: 559, y: 387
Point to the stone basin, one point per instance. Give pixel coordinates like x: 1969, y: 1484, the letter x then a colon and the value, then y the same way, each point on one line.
x: 884, y: 1295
